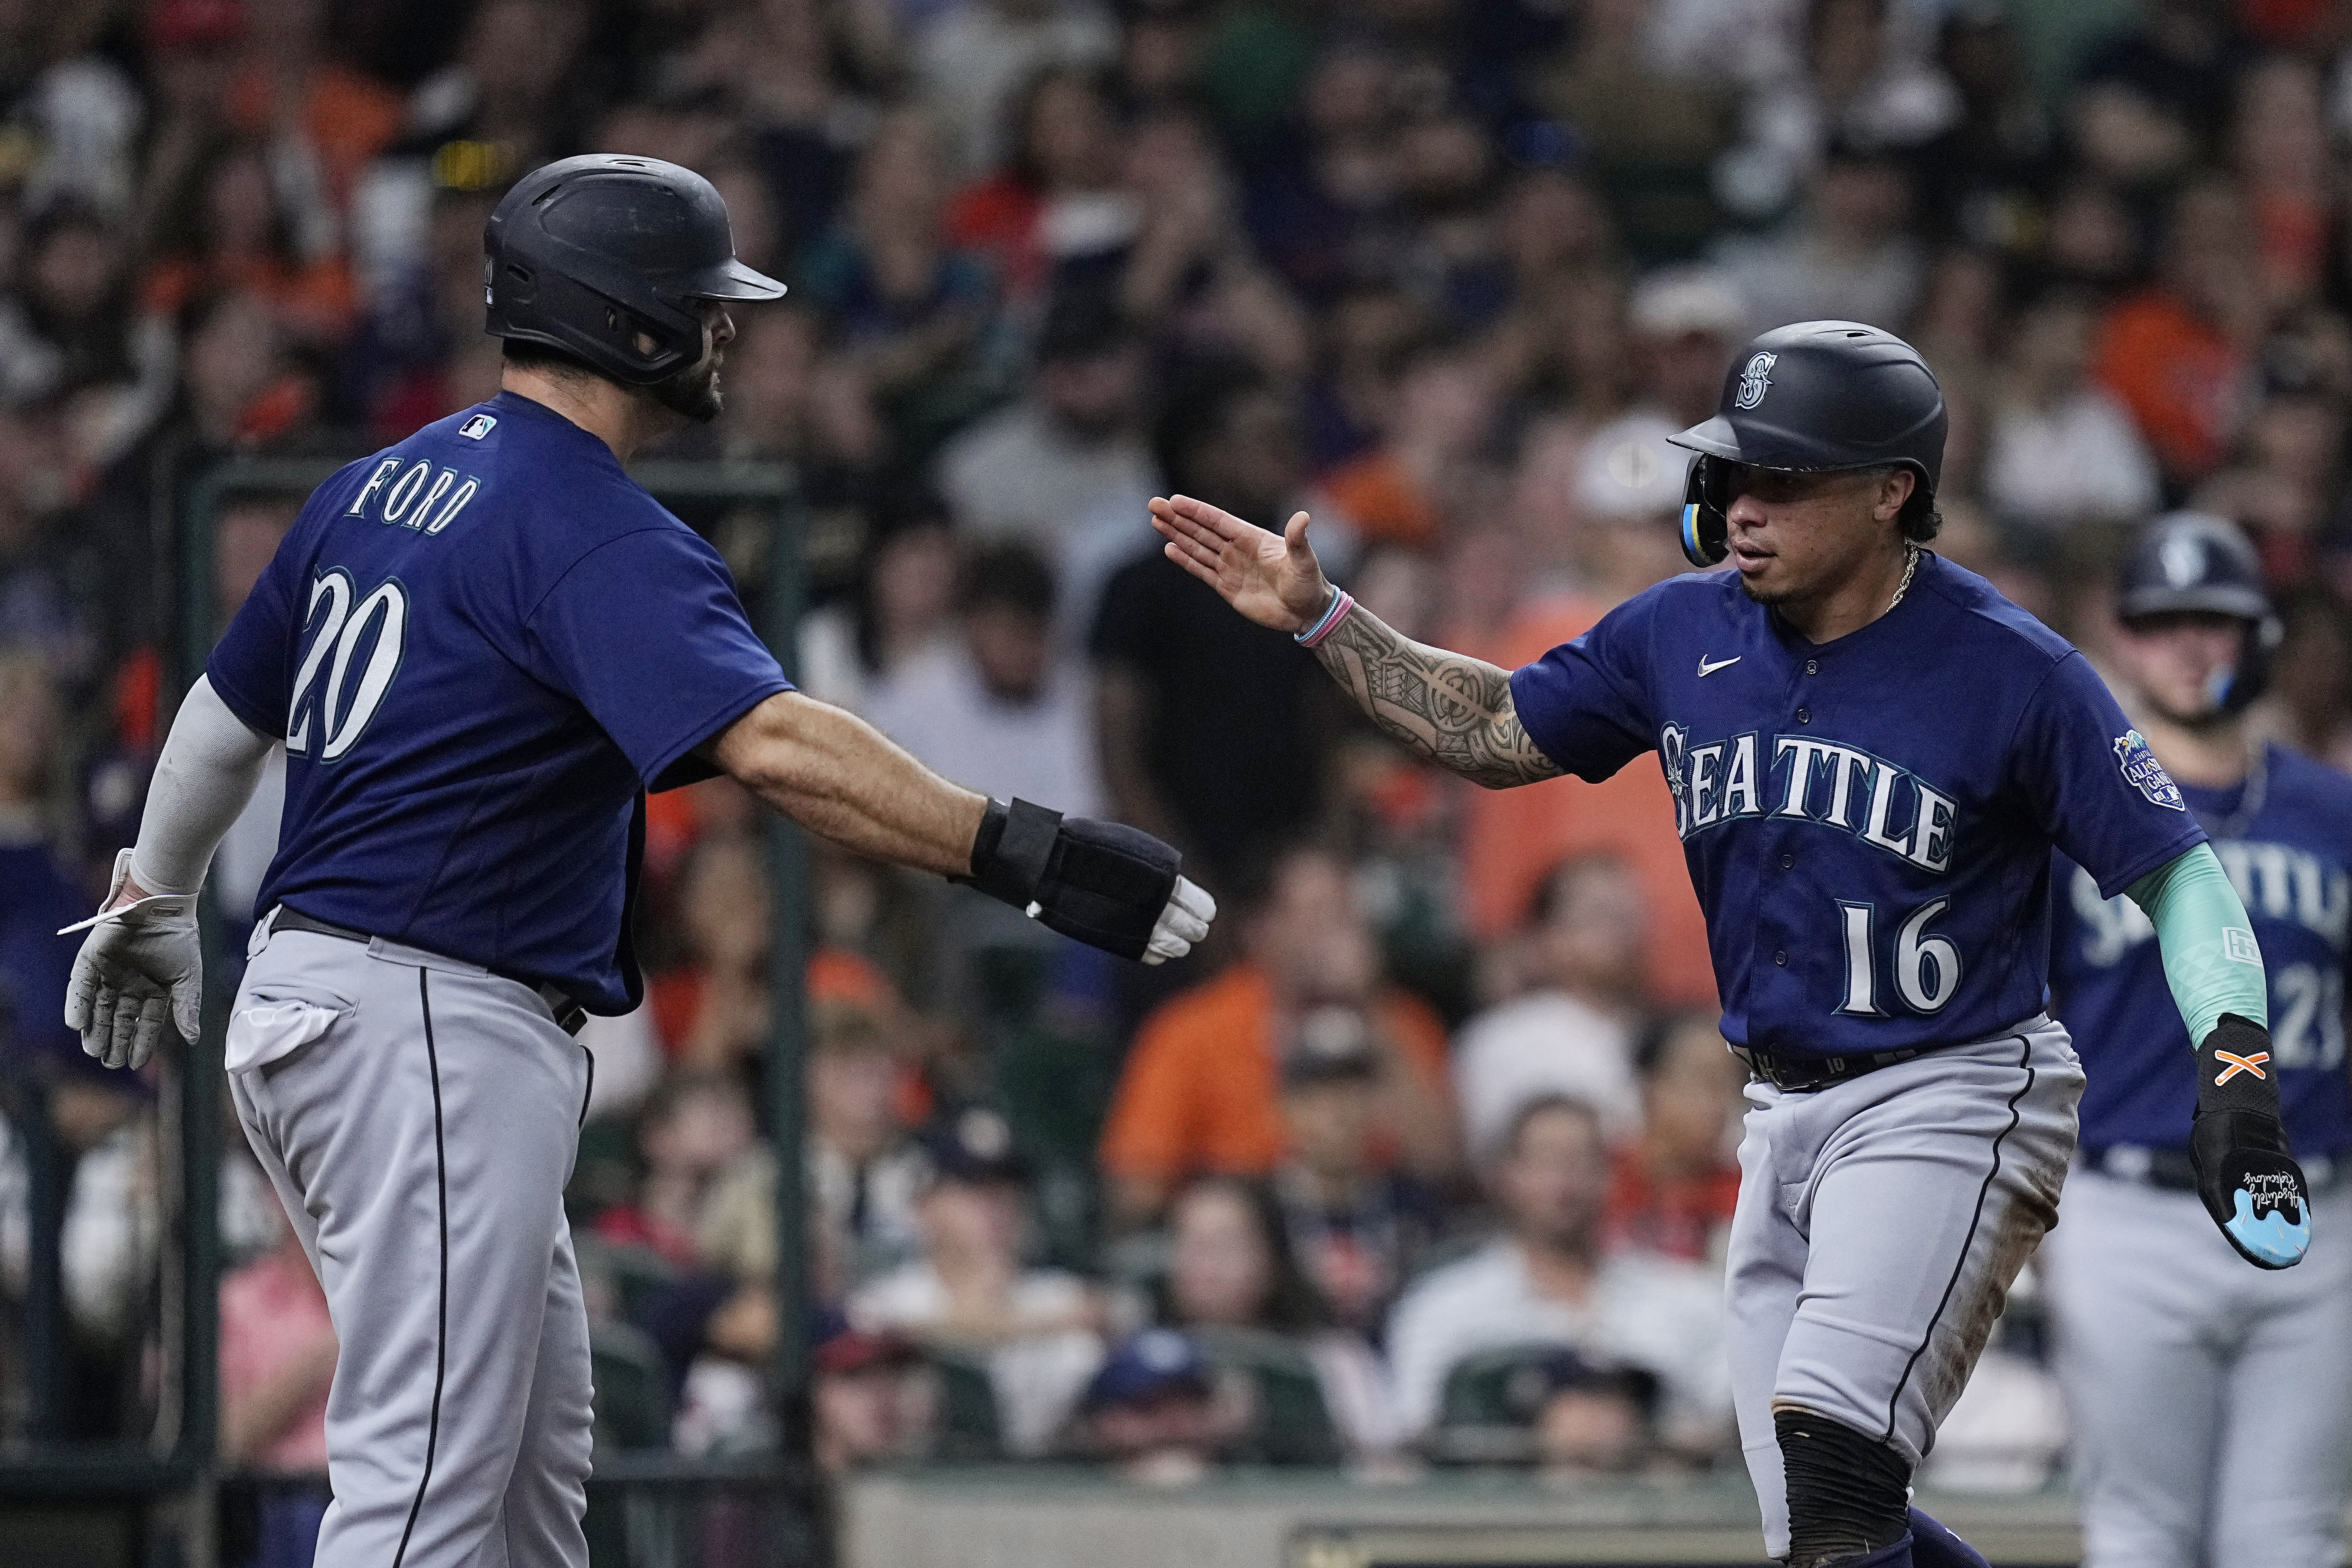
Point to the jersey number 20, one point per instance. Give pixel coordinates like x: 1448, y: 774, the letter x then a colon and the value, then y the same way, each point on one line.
x: 339, y: 629
x: 1926, y: 966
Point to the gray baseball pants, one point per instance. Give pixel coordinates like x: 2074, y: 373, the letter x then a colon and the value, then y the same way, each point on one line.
x: 1880, y: 1223
x: 419, y: 1117
x: 2212, y: 1400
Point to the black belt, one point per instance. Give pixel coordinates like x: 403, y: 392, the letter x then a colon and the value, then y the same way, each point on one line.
x: 569, y: 1014
x: 1792, y: 1072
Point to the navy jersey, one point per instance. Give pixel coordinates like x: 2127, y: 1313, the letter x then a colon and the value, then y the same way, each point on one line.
x: 1867, y: 821
x: 2291, y: 861
x: 479, y: 646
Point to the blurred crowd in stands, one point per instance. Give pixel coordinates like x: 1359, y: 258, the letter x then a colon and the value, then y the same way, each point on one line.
x: 1426, y: 1157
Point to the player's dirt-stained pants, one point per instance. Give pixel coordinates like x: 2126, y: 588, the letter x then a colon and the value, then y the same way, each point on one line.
x: 420, y: 1127
x: 2211, y: 1401
x: 1880, y: 1223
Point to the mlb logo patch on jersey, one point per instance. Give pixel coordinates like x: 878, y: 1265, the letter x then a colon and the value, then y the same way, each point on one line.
x: 2145, y: 774
x: 477, y: 427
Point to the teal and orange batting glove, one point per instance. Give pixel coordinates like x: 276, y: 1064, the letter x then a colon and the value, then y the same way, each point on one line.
x: 2245, y: 1171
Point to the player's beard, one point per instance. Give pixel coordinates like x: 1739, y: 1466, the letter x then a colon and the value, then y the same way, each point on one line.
x: 694, y: 391
x: 2212, y: 715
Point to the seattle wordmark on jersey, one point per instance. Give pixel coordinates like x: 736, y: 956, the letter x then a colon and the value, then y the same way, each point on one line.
x: 479, y: 646
x: 2280, y: 837
x: 1867, y: 821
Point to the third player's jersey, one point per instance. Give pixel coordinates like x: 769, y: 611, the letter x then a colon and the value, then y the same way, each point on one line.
x: 478, y: 646
x: 2282, y: 838
x: 1868, y: 821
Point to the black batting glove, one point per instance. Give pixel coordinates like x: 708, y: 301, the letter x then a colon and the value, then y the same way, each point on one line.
x: 1109, y: 885
x: 2245, y: 1171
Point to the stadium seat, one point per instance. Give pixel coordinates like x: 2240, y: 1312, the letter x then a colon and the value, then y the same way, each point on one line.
x: 1289, y: 1423
x: 969, y: 1431
x: 1488, y: 1413
x: 633, y: 1407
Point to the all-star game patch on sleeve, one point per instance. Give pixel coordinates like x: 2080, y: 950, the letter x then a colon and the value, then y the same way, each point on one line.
x: 2096, y: 787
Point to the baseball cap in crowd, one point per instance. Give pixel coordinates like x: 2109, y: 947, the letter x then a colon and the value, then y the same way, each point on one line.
x: 1630, y: 470
x: 842, y: 1350
x: 1153, y: 1364
x: 1333, y: 1045
x: 1675, y: 300
x: 974, y: 1144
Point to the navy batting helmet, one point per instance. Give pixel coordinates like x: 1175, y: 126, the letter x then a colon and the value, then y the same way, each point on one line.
x: 1813, y: 397
x: 604, y: 257
x: 2195, y: 562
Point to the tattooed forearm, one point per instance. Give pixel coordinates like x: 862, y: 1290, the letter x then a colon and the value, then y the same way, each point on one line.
x: 1452, y: 710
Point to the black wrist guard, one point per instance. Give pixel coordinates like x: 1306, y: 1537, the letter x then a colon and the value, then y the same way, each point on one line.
x: 1104, y: 883
x: 2246, y: 1173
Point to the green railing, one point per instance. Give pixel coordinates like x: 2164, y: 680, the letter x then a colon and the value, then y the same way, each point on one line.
x: 161, y: 1491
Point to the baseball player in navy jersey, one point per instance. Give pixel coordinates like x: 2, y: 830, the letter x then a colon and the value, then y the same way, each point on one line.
x: 1871, y: 753
x: 480, y: 649
x: 2212, y: 1406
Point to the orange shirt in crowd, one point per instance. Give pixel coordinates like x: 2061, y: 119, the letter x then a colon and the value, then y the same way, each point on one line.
x: 2180, y: 375
x: 313, y: 300
x: 348, y: 118
x: 1514, y: 838
x: 272, y: 1313
x: 1202, y: 1088
x: 1387, y: 504
x: 1678, y: 1218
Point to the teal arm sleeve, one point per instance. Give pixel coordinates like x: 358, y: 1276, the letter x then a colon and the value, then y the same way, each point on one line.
x: 2208, y: 943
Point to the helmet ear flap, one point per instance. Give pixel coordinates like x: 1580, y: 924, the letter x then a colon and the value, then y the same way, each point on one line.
x: 2253, y: 675
x: 1706, y: 532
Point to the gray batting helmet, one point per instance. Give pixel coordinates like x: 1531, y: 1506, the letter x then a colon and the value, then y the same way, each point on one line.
x: 1812, y: 397
x: 2194, y: 561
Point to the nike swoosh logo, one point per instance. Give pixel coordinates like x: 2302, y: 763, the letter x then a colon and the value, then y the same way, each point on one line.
x: 1705, y: 669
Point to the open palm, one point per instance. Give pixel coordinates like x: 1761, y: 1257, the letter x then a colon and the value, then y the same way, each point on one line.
x: 1271, y: 578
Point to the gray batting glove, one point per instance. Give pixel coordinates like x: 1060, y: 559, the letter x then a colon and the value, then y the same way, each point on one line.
x: 141, y: 965
x: 1184, y: 922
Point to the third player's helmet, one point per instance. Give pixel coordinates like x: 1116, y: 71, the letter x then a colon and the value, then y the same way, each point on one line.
x: 2193, y: 561
x: 587, y: 254
x: 1815, y: 397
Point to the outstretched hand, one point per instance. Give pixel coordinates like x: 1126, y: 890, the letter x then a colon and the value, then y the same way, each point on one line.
x: 1271, y: 578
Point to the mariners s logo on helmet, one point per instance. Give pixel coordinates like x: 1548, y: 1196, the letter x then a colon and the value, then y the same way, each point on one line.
x: 1755, y: 379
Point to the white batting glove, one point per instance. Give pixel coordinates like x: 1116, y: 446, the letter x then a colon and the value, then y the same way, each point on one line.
x: 1184, y: 922
x: 141, y: 965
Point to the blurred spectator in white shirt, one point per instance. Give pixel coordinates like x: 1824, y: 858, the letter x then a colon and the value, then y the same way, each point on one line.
x: 865, y: 1171
x: 1232, y: 1274
x: 971, y: 1290
x: 1573, y: 1033
x: 2063, y: 450
x: 1848, y: 255
x: 995, y: 706
x: 1072, y: 449
x: 1546, y: 1279
x: 972, y: 62
x: 1856, y: 77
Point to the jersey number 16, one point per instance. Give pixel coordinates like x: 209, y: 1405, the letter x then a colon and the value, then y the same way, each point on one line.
x: 1926, y: 968
x: 339, y: 629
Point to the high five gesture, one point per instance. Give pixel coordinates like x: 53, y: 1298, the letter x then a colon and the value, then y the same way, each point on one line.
x: 1451, y: 709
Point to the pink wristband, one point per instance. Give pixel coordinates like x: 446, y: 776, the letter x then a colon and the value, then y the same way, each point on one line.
x: 1333, y: 614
